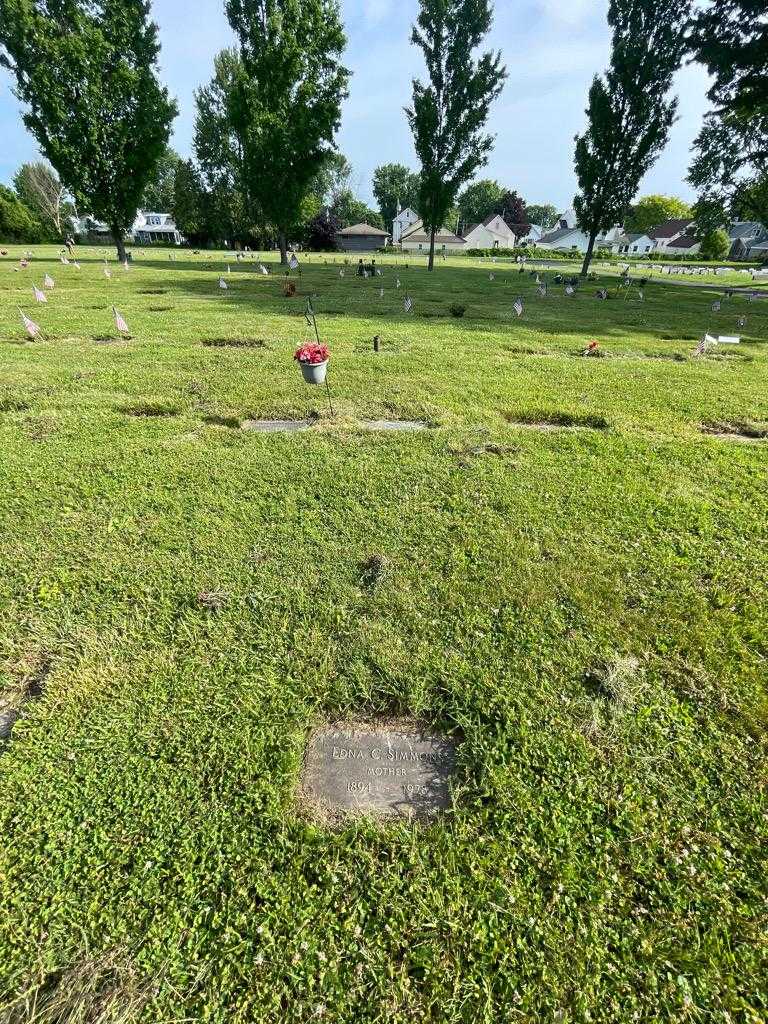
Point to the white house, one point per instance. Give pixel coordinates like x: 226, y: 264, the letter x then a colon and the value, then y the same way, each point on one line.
x: 744, y: 236
x: 403, y: 222
x: 564, y: 240
x: 151, y: 228
x: 632, y: 245
x: 684, y: 245
x: 417, y: 239
x: 665, y: 235
x: 493, y: 233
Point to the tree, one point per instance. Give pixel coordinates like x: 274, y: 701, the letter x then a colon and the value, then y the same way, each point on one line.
x: 730, y: 167
x: 38, y: 187
x: 350, y: 210
x: 715, y: 245
x: 479, y: 200
x: 544, y: 215
x: 321, y: 232
x: 448, y: 116
x: 159, y: 194
x: 512, y: 208
x: 288, y: 101
x: 17, y: 222
x: 629, y: 112
x: 332, y: 179
x: 219, y: 147
x: 86, y: 71
x: 650, y: 211
x: 188, y: 206
x: 395, y: 187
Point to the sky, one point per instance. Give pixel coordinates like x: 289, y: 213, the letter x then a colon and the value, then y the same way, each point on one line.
x: 551, y: 48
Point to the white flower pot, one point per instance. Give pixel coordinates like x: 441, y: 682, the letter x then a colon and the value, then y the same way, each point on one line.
x: 314, y: 373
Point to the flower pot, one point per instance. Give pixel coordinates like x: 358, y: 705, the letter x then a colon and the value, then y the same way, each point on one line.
x: 314, y: 373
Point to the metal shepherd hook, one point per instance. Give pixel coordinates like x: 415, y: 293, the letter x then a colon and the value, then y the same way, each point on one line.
x: 311, y: 319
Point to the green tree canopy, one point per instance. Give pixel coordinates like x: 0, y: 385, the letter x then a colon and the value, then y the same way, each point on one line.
x: 479, y: 200
x: 649, y: 211
x: 715, y: 245
x: 159, y: 192
x: 395, y: 187
x: 449, y: 114
x: 348, y: 209
x: 629, y: 112
x: 543, y: 214
x: 17, y: 222
x: 288, y: 101
x: 86, y: 71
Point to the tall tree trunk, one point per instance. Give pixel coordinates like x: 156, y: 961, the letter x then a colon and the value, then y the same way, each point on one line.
x: 432, y: 233
x: 282, y: 241
x: 117, y: 235
x: 589, y: 253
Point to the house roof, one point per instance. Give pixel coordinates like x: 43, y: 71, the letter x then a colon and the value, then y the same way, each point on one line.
x: 363, y: 229
x: 558, y: 233
x: 670, y: 228
x: 745, y: 229
x: 442, y: 237
x: 686, y: 242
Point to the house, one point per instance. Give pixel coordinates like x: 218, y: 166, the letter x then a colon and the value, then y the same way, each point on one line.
x: 566, y: 220
x: 684, y: 245
x: 745, y: 235
x: 493, y: 233
x: 417, y: 239
x: 535, y: 233
x: 664, y: 235
x: 361, y: 238
x: 155, y: 229
x: 632, y: 245
x: 759, y: 252
x: 564, y: 239
x: 403, y: 222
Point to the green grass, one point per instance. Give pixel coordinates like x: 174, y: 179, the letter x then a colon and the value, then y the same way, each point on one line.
x: 181, y: 601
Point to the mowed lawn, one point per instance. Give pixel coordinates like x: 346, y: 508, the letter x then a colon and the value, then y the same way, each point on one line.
x: 181, y: 600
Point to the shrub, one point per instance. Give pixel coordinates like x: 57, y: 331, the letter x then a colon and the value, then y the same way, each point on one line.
x: 457, y: 310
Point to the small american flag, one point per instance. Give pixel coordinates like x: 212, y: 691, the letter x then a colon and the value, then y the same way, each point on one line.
x: 48, y: 281
x: 126, y: 265
x: 223, y: 284
x: 39, y: 296
x: 294, y: 263
x: 569, y: 290
x: 408, y: 306
x: 378, y: 272
x: 542, y: 290
x: 30, y: 326
x: 518, y: 306
x: 264, y: 270
x: 120, y: 324
x: 716, y: 306
x: 538, y: 279
x: 341, y: 272
x: 107, y: 272
x: 397, y: 283
x: 365, y: 274
x: 229, y: 269
x: 76, y: 265
x: 64, y: 260
x: 491, y: 277
x: 381, y: 293
x: 641, y: 294
x: 602, y: 294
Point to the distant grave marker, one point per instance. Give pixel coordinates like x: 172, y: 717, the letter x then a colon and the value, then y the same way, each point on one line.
x: 388, y: 770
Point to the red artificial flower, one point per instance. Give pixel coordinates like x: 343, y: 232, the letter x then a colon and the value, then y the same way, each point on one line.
x: 311, y: 352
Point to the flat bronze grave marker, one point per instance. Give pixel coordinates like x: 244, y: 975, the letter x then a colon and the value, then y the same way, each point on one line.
x: 391, y: 769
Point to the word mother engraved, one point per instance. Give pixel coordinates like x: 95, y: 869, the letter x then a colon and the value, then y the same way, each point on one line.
x: 387, y: 770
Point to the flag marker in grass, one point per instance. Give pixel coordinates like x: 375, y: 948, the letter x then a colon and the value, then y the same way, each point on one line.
x: 223, y: 284
x: 716, y: 306
x: 518, y: 306
x: 264, y: 270
x: 48, y: 281
x: 120, y: 324
x: 32, y: 329
x: 408, y: 305
x: 39, y: 296
x: 107, y: 272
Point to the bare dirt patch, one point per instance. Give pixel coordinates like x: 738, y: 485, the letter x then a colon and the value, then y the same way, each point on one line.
x: 740, y: 430
x: 151, y: 409
x: 546, y: 421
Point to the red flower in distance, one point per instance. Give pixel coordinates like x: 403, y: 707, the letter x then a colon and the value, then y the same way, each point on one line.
x: 311, y: 352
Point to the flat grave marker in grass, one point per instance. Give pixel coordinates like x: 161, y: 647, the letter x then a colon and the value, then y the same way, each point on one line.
x: 387, y: 770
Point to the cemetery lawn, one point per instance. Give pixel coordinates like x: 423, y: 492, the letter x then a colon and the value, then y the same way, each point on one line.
x: 584, y: 606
